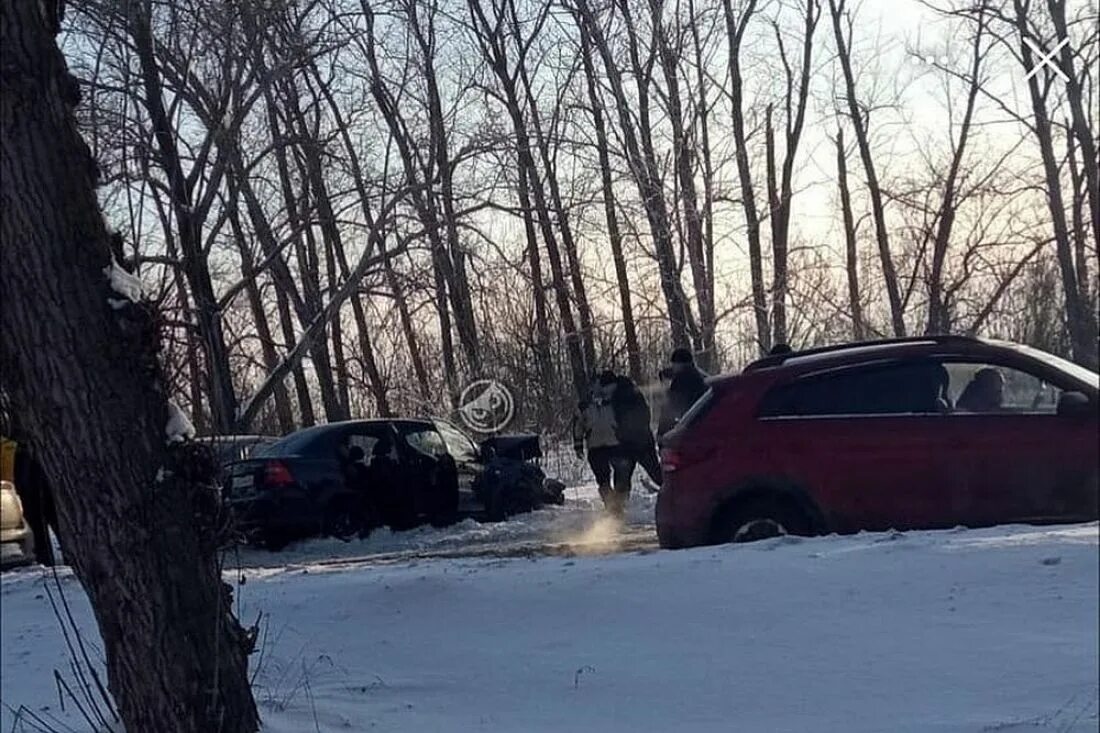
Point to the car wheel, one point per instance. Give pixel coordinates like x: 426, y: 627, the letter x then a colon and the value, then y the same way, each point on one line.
x: 761, y: 519
x: 273, y: 541
x: 342, y: 521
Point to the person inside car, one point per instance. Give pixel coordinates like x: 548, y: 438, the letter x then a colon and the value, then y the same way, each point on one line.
x: 984, y: 393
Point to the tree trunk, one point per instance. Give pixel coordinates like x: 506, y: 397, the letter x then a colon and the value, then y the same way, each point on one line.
x: 85, y: 379
x: 259, y: 317
x: 939, y: 317
x: 1081, y: 318
x: 614, y: 235
x: 851, y: 259
x: 370, y: 364
x: 684, y: 163
x: 645, y: 174
x: 495, y: 52
x: 1080, y: 125
x: 859, y: 126
x: 427, y: 211
x: 569, y: 244
x: 735, y: 32
x: 703, y: 107
x: 223, y: 401
x: 779, y: 235
x: 538, y: 292
x: 409, y: 330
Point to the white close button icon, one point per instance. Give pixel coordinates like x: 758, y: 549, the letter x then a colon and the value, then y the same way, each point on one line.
x: 1045, y: 59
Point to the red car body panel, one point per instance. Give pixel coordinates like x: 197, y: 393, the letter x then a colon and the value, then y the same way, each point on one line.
x: 875, y: 472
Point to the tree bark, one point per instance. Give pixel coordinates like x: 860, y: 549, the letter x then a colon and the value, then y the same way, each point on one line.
x: 85, y: 379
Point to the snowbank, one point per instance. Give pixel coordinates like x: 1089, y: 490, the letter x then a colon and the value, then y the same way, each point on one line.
x: 989, y: 630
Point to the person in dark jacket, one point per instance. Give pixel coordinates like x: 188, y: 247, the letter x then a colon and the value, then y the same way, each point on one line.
x: 36, y: 496
x: 687, y: 385
x: 634, y: 428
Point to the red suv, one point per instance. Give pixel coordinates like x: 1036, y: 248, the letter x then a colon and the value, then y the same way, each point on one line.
x: 917, y: 433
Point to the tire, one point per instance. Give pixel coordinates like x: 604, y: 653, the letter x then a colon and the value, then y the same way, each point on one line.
x: 272, y: 540
x: 761, y: 518
x: 342, y: 520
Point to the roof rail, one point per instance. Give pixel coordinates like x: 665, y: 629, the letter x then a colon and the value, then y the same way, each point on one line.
x: 773, y: 360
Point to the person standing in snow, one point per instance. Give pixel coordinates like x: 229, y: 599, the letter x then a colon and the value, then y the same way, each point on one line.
x: 596, y: 429
x: 36, y: 495
x: 634, y: 429
x: 687, y: 385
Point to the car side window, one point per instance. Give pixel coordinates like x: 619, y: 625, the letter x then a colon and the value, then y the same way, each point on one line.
x: 988, y: 388
x: 367, y: 439
x: 425, y: 439
x: 360, y: 440
x: 459, y: 446
x: 913, y: 387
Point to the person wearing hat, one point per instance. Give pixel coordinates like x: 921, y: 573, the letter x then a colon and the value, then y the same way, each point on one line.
x: 687, y: 384
x: 595, y: 429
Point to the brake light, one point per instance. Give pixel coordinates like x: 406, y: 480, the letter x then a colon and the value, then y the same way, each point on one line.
x: 671, y: 459
x: 277, y: 474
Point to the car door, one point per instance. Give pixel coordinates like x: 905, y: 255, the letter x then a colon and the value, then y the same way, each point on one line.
x: 866, y: 442
x: 1025, y: 462
x: 467, y: 457
x: 427, y: 465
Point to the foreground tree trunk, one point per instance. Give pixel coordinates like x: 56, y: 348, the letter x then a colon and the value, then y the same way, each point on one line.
x: 176, y: 657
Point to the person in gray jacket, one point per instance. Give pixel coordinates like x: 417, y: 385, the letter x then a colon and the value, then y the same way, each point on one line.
x: 596, y: 428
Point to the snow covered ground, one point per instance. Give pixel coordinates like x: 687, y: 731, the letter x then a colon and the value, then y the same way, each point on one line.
x: 574, y: 527
x: 990, y: 630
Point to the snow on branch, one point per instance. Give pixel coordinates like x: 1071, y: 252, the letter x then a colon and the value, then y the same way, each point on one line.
x: 124, y: 284
x: 179, y: 428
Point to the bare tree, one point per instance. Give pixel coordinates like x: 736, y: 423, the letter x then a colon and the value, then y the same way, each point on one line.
x: 644, y: 171
x: 80, y: 362
x: 851, y: 253
x: 780, y: 186
x: 859, y: 118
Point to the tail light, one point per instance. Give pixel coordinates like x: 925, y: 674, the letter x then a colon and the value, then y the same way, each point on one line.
x: 277, y: 474
x: 671, y: 459
x: 674, y: 459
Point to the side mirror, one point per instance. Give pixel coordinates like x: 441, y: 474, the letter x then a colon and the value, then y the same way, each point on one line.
x: 1075, y: 404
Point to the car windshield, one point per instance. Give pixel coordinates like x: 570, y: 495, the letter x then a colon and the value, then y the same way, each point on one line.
x: 1076, y: 371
